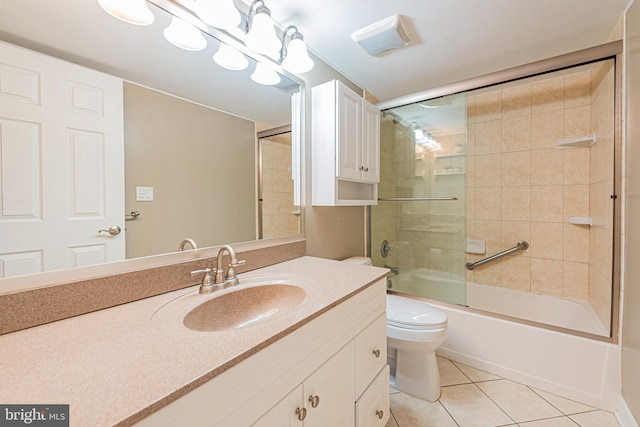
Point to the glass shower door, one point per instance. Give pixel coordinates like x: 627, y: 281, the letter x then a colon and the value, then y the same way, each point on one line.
x: 418, y: 227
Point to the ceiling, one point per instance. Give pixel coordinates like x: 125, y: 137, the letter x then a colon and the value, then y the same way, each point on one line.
x: 454, y: 39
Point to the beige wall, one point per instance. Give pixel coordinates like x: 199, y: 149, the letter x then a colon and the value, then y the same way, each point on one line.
x: 521, y: 187
x: 631, y: 280
x: 331, y: 232
x: 201, y: 164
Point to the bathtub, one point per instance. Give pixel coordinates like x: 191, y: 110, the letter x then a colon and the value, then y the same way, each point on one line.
x: 451, y: 288
x: 571, y: 366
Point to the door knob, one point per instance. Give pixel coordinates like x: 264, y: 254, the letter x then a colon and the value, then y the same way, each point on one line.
x: 113, y: 230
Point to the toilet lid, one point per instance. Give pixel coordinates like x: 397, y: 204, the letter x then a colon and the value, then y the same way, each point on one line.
x: 413, y: 314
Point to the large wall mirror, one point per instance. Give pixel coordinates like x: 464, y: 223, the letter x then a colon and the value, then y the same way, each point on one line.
x: 206, y: 150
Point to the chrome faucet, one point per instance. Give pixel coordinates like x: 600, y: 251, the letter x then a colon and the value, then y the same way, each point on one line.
x: 221, y: 281
x: 186, y: 242
x: 230, y: 279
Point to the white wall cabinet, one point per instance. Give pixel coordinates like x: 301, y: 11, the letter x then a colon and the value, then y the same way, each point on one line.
x: 345, y: 147
x: 331, y: 371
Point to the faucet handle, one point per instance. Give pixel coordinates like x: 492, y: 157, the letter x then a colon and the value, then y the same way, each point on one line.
x: 236, y: 263
x: 207, y: 279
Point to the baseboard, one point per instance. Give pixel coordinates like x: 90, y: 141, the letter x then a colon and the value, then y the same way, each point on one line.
x: 624, y: 415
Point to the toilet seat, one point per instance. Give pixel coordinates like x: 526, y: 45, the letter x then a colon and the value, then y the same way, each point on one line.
x: 412, y: 314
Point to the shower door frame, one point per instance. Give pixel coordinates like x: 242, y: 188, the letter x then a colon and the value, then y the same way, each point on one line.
x: 612, y: 50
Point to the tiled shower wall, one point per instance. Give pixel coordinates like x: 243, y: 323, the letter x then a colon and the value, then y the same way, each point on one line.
x: 521, y: 187
x: 279, y: 215
x: 421, y: 234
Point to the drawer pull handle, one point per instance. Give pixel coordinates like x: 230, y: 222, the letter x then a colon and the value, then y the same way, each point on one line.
x: 301, y: 413
x: 380, y: 413
x: 314, y: 400
x: 376, y: 352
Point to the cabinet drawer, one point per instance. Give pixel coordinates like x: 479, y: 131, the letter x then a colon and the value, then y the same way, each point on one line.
x: 372, y: 409
x: 371, y: 352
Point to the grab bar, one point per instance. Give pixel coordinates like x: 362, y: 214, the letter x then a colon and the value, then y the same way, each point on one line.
x: 521, y: 246
x: 415, y: 199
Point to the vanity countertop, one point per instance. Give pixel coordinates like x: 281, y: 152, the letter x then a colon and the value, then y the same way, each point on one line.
x: 115, y: 367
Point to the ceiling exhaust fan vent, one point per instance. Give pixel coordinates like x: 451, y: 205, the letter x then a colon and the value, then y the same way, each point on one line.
x: 379, y: 37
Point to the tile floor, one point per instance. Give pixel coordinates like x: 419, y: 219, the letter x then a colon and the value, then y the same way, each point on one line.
x: 473, y: 398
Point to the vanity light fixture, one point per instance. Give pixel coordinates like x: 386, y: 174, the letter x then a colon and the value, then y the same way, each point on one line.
x: 265, y: 75
x: 230, y: 58
x: 294, y: 55
x: 134, y: 12
x: 184, y: 35
x: 218, y: 13
x: 261, y: 35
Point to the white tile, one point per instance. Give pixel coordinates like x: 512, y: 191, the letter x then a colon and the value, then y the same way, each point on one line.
x: 550, y: 422
x: 391, y: 422
x: 410, y: 411
x: 595, y: 419
x: 450, y: 374
x: 476, y: 375
x: 564, y: 405
x: 518, y: 401
x: 470, y: 407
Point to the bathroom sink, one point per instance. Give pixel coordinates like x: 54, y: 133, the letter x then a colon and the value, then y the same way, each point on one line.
x: 244, y: 307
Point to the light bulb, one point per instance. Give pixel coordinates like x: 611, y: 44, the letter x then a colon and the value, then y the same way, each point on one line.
x: 184, y: 35
x: 218, y: 13
x: 230, y: 58
x: 134, y: 12
x: 265, y: 75
x: 297, y: 59
x: 262, y: 37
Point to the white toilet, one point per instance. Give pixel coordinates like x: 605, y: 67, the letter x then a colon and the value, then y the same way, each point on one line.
x: 415, y: 330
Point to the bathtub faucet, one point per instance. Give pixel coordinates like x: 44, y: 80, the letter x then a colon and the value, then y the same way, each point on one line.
x: 394, y: 270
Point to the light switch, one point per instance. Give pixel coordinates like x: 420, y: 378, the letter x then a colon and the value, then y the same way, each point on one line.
x: 144, y: 194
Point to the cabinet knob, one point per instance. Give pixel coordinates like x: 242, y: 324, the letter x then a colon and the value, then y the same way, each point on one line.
x: 301, y: 413
x: 376, y: 352
x: 366, y: 169
x: 314, y: 400
x: 380, y: 413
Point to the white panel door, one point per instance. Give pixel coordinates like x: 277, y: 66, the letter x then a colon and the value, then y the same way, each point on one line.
x: 61, y: 164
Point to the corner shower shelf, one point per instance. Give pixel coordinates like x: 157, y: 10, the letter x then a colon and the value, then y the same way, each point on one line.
x: 580, y: 142
x: 444, y: 156
x: 581, y: 220
x: 445, y: 173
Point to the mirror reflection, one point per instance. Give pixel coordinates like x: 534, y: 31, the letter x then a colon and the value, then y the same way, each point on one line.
x: 189, y: 163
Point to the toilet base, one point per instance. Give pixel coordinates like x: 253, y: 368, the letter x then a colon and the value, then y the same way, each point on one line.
x: 416, y: 374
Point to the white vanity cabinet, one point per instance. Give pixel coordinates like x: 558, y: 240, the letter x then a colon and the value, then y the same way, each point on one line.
x: 324, y: 399
x: 345, y: 147
x: 330, y: 371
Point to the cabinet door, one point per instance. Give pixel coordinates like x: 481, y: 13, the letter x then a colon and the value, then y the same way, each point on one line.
x: 372, y: 409
x: 329, y: 392
x: 371, y: 352
x: 370, y: 143
x: 289, y: 412
x: 349, y: 133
